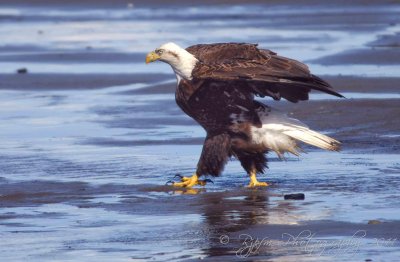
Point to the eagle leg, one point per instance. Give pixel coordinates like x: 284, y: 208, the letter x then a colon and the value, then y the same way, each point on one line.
x: 253, y: 180
x: 190, y: 181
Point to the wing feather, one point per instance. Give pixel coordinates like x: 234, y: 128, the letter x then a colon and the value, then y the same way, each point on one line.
x: 261, y: 71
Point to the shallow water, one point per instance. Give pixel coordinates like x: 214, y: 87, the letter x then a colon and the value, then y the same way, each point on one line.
x: 82, y: 171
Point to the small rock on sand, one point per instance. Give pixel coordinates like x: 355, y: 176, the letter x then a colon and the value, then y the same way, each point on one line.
x: 22, y: 71
x: 299, y: 196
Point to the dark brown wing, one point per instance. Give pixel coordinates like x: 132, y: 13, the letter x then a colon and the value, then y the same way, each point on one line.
x: 261, y: 71
x: 227, y: 52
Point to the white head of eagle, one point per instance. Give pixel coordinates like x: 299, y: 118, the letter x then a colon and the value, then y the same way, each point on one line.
x: 181, y: 61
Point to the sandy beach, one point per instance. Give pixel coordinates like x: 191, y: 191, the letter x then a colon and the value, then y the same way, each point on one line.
x: 89, y: 134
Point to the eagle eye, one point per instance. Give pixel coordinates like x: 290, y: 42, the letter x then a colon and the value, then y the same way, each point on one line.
x: 159, y: 51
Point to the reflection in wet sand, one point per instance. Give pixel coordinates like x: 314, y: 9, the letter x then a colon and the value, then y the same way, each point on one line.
x: 225, y: 213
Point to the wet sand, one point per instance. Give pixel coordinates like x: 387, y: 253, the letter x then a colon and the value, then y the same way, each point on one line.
x: 90, y: 134
x: 54, y: 82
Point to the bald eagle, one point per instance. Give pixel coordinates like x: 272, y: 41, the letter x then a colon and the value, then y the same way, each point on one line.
x: 217, y: 85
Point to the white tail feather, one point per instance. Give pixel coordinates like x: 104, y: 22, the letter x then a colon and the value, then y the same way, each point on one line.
x: 313, y: 138
x: 279, y: 133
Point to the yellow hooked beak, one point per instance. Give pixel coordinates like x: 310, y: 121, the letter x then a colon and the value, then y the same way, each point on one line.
x: 151, y: 57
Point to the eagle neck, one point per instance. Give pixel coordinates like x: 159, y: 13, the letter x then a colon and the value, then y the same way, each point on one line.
x: 184, y: 67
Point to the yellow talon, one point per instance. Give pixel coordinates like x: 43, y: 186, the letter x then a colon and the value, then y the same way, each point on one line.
x: 190, y: 182
x: 185, y: 178
x: 254, y: 182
